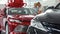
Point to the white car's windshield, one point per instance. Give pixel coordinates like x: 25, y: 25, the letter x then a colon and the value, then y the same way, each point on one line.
x: 58, y: 6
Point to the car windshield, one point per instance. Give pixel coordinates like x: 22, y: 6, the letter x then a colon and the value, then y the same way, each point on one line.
x: 21, y: 11
x: 58, y: 6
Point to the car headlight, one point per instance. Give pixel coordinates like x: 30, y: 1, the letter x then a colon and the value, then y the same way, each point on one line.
x: 13, y: 20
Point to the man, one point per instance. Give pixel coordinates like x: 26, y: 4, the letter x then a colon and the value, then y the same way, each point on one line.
x: 51, y: 16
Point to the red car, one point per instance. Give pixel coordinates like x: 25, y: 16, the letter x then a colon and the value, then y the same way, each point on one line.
x: 18, y: 20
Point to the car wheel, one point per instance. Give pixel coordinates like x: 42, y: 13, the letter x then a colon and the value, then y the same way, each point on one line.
x: 7, y: 29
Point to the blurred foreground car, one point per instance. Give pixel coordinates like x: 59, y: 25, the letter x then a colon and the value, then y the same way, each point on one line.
x: 46, y: 23
x: 18, y: 20
x: 2, y: 20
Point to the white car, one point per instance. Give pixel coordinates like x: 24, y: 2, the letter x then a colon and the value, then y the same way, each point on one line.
x: 46, y: 23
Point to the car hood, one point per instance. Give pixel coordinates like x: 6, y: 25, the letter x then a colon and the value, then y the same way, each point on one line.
x: 22, y: 17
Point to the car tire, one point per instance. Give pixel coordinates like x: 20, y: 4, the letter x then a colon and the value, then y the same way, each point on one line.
x: 7, y: 29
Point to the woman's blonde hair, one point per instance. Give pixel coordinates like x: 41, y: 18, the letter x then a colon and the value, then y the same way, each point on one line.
x: 35, y: 4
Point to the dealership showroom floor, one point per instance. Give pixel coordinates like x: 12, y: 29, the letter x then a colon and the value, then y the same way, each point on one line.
x: 29, y: 16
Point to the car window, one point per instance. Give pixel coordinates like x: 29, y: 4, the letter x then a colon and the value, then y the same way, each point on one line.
x: 21, y: 11
x: 58, y: 6
x: 33, y: 11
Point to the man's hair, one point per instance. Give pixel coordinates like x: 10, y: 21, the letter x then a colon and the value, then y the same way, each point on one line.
x: 38, y: 4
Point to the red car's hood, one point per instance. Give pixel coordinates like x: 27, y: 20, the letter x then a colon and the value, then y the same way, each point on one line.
x: 22, y: 17
x: 26, y: 17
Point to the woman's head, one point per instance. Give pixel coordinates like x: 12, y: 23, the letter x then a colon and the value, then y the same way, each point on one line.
x: 35, y: 4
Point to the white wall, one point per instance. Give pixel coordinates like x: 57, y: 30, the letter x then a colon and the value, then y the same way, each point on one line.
x: 2, y: 6
x: 50, y: 2
x: 30, y: 3
x: 3, y: 1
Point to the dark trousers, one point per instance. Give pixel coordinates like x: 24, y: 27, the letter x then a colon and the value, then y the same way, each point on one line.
x: 33, y: 30
x: 0, y: 32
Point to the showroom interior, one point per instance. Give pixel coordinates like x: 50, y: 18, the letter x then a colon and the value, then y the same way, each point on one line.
x: 29, y: 16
